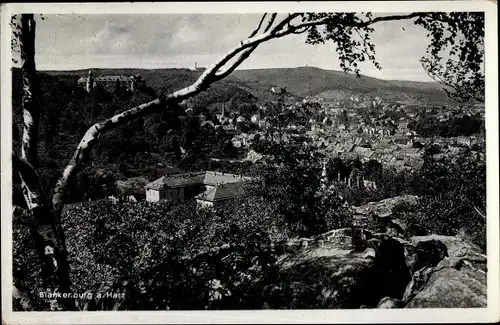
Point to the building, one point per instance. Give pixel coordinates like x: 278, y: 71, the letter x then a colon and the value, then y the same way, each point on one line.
x: 198, y: 68
x: 110, y: 83
x: 216, y: 195
x: 222, y: 117
x: 208, y: 188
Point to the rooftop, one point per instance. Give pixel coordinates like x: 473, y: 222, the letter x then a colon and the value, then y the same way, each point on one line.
x: 113, y: 78
x: 198, y: 178
x: 222, y: 192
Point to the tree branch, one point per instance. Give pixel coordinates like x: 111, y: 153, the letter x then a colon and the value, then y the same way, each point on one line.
x: 392, y: 18
x: 325, y: 20
x: 270, y: 22
x: 29, y: 181
x: 479, y: 212
x: 258, y: 27
x: 89, y: 139
x: 243, y: 56
x: 208, y: 77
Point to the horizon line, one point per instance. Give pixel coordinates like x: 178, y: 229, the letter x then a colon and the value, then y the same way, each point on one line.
x: 240, y: 69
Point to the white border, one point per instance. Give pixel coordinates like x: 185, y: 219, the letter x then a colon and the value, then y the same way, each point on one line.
x: 490, y: 314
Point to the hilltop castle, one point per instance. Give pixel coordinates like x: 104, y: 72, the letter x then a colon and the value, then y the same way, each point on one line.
x: 110, y: 83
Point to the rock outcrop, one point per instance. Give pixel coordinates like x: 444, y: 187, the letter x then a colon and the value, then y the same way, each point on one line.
x: 358, y: 268
x: 379, y: 216
x: 458, y: 280
x: 448, y: 285
x: 338, y: 274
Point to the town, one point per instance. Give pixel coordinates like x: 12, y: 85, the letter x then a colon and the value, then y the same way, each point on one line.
x: 360, y: 127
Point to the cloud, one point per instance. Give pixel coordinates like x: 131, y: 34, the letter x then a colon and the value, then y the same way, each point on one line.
x: 113, y: 38
x: 179, y: 40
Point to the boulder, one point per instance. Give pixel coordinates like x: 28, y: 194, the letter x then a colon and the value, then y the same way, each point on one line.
x: 339, y: 276
x: 455, y: 245
x: 458, y: 280
x: 428, y: 253
x: 389, y: 303
x: 457, y: 248
x: 449, y: 285
x: 379, y: 216
x: 384, y: 208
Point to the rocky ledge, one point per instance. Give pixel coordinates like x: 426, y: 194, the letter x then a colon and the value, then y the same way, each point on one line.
x: 357, y: 268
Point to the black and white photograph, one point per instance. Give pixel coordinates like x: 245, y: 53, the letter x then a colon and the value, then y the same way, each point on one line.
x: 254, y: 159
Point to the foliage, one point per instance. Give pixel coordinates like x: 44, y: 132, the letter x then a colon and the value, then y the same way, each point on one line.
x: 453, y: 199
x: 174, y: 256
x: 168, y: 256
x: 290, y: 178
x: 353, y: 44
x: 457, y: 126
x: 455, y: 56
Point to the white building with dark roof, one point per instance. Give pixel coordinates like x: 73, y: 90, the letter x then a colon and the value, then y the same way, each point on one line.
x: 208, y: 188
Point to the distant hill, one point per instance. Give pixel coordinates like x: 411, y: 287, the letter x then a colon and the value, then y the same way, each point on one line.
x: 302, y: 81
x: 310, y: 81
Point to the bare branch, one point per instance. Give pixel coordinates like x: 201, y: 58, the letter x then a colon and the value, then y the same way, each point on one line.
x: 89, y: 139
x: 479, y: 212
x: 258, y: 27
x: 243, y: 56
x: 270, y: 22
x: 284, y: 23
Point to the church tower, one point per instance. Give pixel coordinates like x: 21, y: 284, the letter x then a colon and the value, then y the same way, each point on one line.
x: 324, y: 174
x: 90, y: 82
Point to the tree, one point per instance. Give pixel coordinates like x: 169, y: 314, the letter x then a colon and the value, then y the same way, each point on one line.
x: 463, y: 70
x: 349, y: 31
x: 453, y: 191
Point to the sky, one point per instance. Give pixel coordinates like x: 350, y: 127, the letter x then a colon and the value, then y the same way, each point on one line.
x: 69, y: 42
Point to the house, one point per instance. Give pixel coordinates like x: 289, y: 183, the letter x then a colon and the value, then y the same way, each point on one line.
x: 217, y: 195
x: 362, y: 142
x: 363, y: 153
x: 402, y: 140
x: 278, y: 90
x: 203, y: 186
x: 110, y: 83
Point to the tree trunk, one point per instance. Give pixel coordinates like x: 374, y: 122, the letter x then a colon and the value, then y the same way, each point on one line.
x: 45, y: 224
